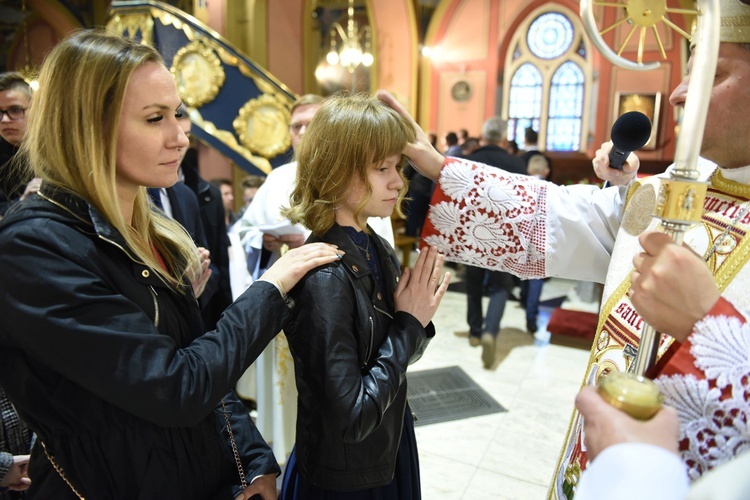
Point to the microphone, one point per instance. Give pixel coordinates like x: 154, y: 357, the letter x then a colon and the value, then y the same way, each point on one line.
x: 630, y: 132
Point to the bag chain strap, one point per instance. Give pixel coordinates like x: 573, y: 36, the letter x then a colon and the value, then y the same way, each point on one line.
x: 60, y: 471
x: 238, y: 461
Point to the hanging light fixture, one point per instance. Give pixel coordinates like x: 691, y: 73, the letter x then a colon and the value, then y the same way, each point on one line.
x: 29, y: 74
x: 350, y: 47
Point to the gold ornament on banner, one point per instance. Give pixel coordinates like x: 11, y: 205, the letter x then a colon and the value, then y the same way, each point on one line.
x: 198, y: 73
x: 263, y: 126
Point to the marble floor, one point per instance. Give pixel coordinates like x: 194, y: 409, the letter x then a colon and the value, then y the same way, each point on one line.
x: 508, y: 455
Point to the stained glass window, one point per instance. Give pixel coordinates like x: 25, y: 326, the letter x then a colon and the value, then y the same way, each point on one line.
x: 525, y: 103
x: 550, y: 35
x: 548, y: 81
x: 565, y: 108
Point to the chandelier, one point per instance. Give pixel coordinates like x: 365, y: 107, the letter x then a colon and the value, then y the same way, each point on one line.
x: 350, y: 47
x: 28, y: 72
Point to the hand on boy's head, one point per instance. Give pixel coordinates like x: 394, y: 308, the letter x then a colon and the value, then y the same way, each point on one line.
x: 422, y: 154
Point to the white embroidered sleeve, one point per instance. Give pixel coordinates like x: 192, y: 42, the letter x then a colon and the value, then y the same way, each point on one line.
x: 486, y: 217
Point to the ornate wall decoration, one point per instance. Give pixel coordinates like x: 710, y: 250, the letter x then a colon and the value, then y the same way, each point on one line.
x: 130, y: 25
x: 198, y: 72
x: 263, y: 126
x: 461, y: 91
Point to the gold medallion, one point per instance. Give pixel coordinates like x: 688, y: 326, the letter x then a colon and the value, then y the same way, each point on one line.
x: 198, y: 73
x: 263, y: 126
x: 640, y: 209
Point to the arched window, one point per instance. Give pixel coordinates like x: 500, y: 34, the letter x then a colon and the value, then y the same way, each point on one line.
x: 565, y: 108
x: 525, y: 106
x: 550, y: 76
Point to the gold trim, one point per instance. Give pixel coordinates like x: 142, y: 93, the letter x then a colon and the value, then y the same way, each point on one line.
x: 198, y: 73
x: 263, y: 126
x: 167, y: 19
x: 280, y: 92
x: 720, y: 183
x: 230, y: 141
x: 171, y: 16
x: 680, y: 201
x: 740, y: 255
x: 127, y: 25
x: 734, y: 263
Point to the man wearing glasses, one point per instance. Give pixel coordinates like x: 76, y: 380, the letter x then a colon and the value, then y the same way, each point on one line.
x: 15, y: 98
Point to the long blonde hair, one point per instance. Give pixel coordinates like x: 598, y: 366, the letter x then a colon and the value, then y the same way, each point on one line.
x: 347, y: 135
x: 71, y: 141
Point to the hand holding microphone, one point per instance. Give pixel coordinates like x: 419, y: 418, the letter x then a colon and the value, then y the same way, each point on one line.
x: 630, y: 132
x: 613, y: 162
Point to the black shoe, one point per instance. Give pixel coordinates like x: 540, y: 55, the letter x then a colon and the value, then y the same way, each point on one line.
x: 531, y: 327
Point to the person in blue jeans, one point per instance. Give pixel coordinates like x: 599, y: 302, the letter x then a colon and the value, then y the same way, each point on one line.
x: 484, y: 329
x: 531, y: 290
x: 537, y: 165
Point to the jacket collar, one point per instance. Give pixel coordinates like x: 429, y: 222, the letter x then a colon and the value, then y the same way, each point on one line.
x: 356, y: 263
x: 352, y: 258
x: 85, y: 216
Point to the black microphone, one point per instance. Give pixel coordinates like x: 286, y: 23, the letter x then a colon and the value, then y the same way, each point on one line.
x: 630, y: 132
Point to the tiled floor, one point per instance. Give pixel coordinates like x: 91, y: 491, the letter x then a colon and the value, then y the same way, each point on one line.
x: 509, y: 455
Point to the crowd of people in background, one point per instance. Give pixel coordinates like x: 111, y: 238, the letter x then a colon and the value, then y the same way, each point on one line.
x: 491, y: 147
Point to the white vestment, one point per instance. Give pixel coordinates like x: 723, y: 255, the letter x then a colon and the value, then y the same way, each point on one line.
x: 486, y: 217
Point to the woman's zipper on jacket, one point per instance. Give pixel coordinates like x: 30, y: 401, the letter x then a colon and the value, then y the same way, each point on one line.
x: 382, y: 311
x: 153, y: 292
x: 369, y: 344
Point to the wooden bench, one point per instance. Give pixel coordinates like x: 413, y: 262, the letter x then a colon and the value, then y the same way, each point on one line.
x: 401, y: 241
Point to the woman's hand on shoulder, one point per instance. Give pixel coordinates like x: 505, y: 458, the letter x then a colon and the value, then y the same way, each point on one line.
x: 420, y: 290
x: 294, y: 264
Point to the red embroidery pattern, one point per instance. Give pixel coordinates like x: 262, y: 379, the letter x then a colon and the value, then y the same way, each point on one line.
x: 484, y: 216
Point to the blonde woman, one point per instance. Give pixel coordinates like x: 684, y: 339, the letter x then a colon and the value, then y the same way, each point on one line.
x: 358, y: 323
x: 101, y: 341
